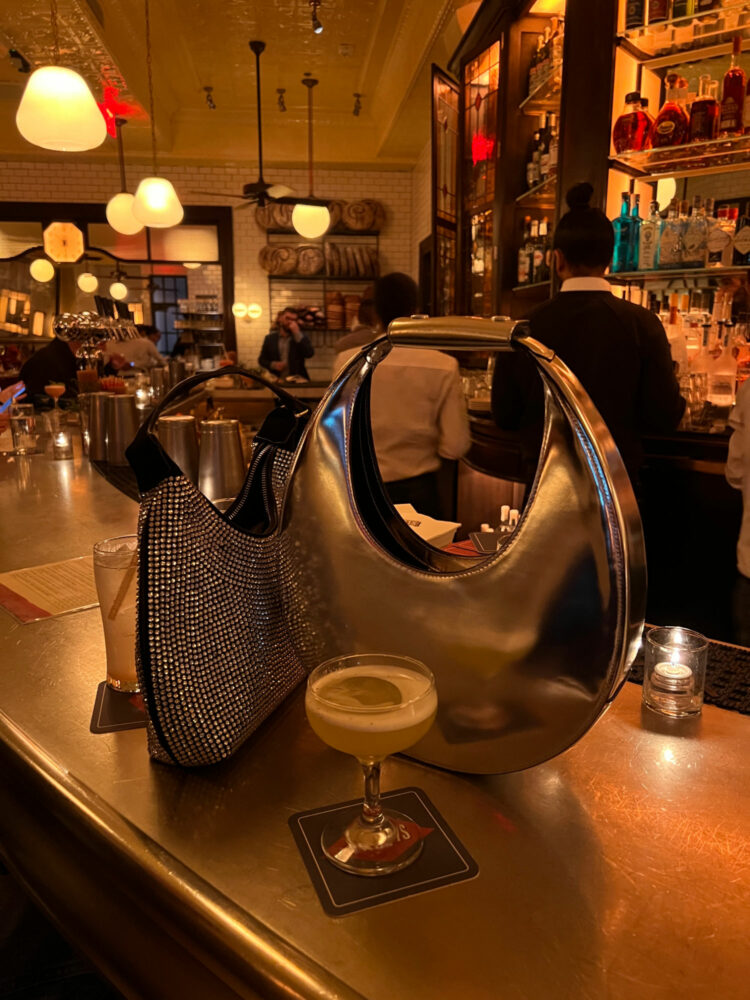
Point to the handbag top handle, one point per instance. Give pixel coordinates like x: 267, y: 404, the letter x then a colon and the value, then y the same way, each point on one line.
x: 152, y: 465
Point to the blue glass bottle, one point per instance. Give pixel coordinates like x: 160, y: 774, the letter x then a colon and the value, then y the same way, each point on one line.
x: 622, y: 226
x: 635, y: 235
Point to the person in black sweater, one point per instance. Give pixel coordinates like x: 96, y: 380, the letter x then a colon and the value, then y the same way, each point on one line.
x: 618, y: 351
x: 56, y: 362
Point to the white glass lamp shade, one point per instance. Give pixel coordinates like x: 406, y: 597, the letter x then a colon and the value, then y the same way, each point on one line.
x: 239, y: 309
x: 120, y: 214
x: 311, y: 220
x: 191, y: 265
x: 88, y: 282
x: 41, y: 269
x: 156, y: 203
x: 118, y: 291
x: 58, y: 111
x: 254, y: 310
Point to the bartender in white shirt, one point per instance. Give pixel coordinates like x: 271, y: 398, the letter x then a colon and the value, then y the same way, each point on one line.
x: 417, y: 408
x: 141, y: 352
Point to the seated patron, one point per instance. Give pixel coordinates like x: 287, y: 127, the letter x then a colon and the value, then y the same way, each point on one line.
x: 140, y: 352
x: 618, y: 351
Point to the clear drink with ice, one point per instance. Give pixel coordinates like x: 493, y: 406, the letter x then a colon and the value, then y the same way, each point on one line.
x: 115, y: 565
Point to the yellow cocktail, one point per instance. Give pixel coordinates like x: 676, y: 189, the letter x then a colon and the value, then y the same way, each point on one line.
x: 371, y: 705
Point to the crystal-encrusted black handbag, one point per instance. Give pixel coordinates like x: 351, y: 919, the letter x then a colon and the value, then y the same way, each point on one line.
x: 213, y: 655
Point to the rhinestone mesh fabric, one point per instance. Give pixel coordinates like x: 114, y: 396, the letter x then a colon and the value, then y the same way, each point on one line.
x: 213, y: 653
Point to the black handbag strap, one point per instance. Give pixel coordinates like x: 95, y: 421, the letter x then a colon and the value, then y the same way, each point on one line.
x: 152, y: 465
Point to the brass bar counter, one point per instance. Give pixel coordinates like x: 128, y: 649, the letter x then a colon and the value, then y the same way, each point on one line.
x: 620, y: 869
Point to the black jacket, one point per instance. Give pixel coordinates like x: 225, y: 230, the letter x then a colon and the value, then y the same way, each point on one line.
x: 298, y: 351
x: 53, y: 363
x: 619, y: 352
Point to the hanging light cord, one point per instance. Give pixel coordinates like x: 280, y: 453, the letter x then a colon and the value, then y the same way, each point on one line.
x: 119, y: 122
x: 309, y: 83
x: 150, y: 86
x: 55, y: 32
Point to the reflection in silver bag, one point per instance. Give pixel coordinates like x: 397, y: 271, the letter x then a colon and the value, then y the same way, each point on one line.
x: 529, y: 645
x: 213, y: 655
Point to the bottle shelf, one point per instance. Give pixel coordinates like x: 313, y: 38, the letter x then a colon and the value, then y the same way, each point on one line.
x: 541, y: 195
x: 545, y: 97
x: 677, y: 273
x: 321, y: 279
x: 724, y: 155
x: 532, y: 289
x: 689, y: 39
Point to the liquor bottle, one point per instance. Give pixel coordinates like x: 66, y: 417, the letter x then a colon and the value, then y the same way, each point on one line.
x: 635, y: 11
x: 649, y: 239
x: 705, y: 111
x: 523, y: 255
x: 683, y: 8
x: 733, y: 94
x: 722, y: 376
x: 545, y: 59
x: 534, y: 65
x: 670, y: 244
x: 531, y: 248
x: 718, y: 239
x: 695, y: 238
x: 701, y: 6
x: 631, y: 131
x: 741, y: 255
x: 658, y: 10
x: 554, y: 149
x: 532, y: 165
x: 746, y: 111
x: 671, y: 127
x: 542, y: 252
x: 635, y: 234
x: 558, y: 35
x: 727, y: 257
x: 622, y: 226
x: 544, y: 148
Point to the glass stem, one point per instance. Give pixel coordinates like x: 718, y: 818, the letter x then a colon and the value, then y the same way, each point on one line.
x: 372, y: 813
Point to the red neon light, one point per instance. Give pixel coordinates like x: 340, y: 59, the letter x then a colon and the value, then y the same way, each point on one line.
x: 111, y: 107
x: 482, y: 148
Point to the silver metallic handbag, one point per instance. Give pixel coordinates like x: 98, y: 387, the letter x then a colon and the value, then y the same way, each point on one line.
x: 529, y: 645
x: 213, y: 655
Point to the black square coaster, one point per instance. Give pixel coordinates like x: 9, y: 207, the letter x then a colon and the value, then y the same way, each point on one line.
x: 444, y: 859
x: 116, y: 710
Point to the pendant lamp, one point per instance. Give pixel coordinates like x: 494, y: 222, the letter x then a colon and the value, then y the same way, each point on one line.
x: 42, y: 269
x: 156, y: 203
x: 88, y: 282
x: 120, y: 207
x: 57, y: 109
x: 310, y: 216
x: 118, y: 290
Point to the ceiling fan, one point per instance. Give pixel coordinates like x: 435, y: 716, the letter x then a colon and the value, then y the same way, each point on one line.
x: 260, y: 191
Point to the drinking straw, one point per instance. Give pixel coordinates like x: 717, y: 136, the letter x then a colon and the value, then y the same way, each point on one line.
x: 123, y: 588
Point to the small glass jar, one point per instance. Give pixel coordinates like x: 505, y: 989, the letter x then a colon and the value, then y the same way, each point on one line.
x: 675, y: 671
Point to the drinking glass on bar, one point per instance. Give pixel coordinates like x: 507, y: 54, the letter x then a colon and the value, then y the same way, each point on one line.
x: 115, y: 566
x: 371, y: 705
x: 23, y: 428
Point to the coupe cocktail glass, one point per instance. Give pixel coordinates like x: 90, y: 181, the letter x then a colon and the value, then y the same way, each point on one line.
x: 54, y: 390
x: 371, y: 705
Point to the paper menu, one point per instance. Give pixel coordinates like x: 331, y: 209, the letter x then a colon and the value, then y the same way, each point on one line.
x: 51, y: 589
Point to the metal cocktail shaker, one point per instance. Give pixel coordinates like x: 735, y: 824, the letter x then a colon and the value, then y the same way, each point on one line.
x: 122, y: 426
x: 177, y: 371
x: 158, y: 383
x: 97, y: 408
x: 221, y: 469
x: 179, y: 439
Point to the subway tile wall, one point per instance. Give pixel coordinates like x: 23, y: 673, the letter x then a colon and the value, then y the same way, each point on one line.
x: 398, y: 190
